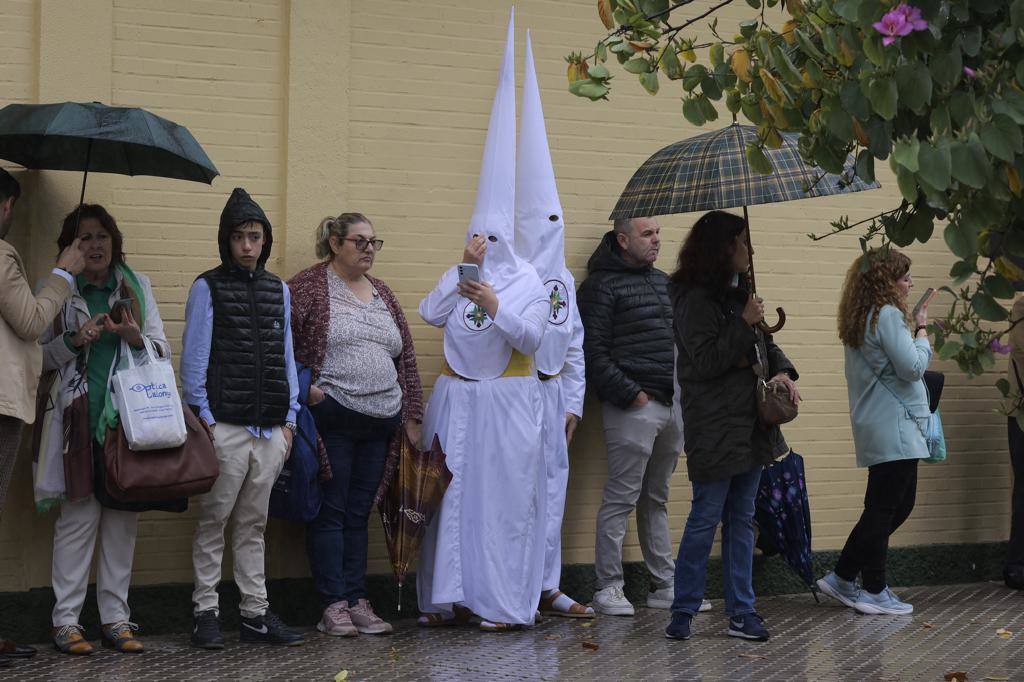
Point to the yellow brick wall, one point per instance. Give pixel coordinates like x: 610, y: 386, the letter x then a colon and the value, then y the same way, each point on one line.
x: 380, y: 106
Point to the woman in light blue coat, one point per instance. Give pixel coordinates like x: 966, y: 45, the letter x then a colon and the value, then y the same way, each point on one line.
x: 886, y: 356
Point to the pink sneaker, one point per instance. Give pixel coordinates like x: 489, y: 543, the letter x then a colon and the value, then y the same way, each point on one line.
x: 366, y: 621
x: 336, y: 621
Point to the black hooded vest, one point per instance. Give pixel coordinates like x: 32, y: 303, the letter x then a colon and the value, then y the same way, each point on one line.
x: 246, y: 381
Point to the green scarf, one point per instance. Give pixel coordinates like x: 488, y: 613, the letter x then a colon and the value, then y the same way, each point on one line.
x: 108, y: 417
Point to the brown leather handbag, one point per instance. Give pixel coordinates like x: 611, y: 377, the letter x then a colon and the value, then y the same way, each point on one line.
x: 774, y: 406
x: 161, y: 475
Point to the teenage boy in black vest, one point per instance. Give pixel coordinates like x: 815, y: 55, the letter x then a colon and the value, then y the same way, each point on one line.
x: 238, y: 375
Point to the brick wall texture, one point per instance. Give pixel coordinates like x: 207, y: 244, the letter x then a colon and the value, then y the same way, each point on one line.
x: 412, y: 102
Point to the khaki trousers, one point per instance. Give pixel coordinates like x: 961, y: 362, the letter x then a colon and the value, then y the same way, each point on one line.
x: 248, y: 468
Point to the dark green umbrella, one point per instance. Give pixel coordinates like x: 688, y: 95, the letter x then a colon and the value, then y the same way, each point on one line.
x: 710, y: 171
x: 96, y: 137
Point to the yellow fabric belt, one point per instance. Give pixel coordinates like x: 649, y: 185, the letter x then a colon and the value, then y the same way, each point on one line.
x: 519, y: 365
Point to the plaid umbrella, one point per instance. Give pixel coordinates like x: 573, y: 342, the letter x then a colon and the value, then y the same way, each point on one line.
x: 710, y: 171
x: 410, y: 503
x: 784, y: 516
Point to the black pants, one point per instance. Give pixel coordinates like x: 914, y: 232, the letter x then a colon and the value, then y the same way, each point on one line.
x: 1015, y: 555
x: 892, y: 489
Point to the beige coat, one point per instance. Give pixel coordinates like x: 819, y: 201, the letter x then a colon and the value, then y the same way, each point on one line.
x: 24, y: 318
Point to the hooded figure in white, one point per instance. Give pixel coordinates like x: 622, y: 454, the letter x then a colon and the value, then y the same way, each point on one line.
x: 484, y: 551
x: 540, y: 240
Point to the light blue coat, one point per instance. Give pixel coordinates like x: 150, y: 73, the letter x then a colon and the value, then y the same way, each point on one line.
x: 884, y: 430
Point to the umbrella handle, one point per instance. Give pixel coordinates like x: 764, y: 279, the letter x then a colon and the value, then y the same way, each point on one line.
x: 771, y: 329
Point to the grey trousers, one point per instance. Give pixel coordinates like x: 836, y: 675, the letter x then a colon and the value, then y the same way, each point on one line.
x: 644, y: 445
x: 10, y: 438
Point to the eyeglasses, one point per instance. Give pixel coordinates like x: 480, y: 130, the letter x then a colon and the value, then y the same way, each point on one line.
x: 362, y: 244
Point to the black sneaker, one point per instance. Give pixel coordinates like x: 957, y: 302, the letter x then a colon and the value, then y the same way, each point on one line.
x: 269, y: 629
x: 748, y: 626
x: 1013, y: 576
x: 679, y: 628
x: 206, y: 630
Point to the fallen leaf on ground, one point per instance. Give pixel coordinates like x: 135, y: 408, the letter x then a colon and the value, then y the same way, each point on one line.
x: 996, y: 678
x: 586, y: 623
x: 955, y: 677
x: 927, y: 625
x: 341, y: 676
x: 552, y: 637
x: 393, y: 655
x: 590, y: 646
x: 757, y: 656
x: 1004, y: 633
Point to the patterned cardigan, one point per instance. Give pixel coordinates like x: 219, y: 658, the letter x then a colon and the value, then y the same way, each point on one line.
x: 310, y: 320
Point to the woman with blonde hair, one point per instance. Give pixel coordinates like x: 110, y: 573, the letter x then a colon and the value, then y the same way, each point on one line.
x: 886, y: 356
x: 365, y: 395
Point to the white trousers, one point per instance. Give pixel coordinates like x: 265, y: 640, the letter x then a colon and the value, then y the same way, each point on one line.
x: 248, y: 468
x: 556, y: 459
x: 74, y: 538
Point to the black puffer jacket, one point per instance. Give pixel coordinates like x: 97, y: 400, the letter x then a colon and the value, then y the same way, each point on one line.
x: 627, y: 323
x: 722, y: 433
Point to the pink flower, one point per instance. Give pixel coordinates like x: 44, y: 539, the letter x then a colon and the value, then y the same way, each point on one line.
x: 999, y: 347
x: 898, y: 22
x: 969, y: 72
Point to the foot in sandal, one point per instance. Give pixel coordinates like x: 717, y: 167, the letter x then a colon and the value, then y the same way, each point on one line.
x: 460, y: 616
x: 555, y: 603
x: 492, y: 626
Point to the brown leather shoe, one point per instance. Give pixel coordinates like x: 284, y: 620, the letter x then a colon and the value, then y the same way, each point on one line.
x: 70, y: 639
x: 12, y: 650
x: 121, y: 636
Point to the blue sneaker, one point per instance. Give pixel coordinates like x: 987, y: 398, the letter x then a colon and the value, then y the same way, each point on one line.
x: 843, y: 591
x: 748, y: 626
x: 885, y: 603
x: 679, y: 628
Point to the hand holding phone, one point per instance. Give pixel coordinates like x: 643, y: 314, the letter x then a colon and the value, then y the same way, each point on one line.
x: 468, y: 272
x: 117, y: 310
x: 922, y: 305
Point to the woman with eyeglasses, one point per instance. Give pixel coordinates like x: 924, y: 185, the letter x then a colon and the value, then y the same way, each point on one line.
x: 350, y: 330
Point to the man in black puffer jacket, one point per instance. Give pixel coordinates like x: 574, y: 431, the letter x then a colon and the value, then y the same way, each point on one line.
x: 628, y: 345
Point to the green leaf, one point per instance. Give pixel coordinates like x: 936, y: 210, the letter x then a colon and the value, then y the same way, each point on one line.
x: 650, y: 82
x: 906, y: 181
x: 882, y: 94
x: 970, y: 339
x: 1017, y: 14
x: 756, y: 4
x: 717, y: 54
x: 961, y: 106
x: 637, y: 65
x: 1001, y: 107
x: 748, y: 27
x: 733, y: 100
x: 807, y: 45
x: 935, y: 165
x: 598, y: 72
x: 962, y: 241
x: 922, y: 224
x: 839, y: 124
x: 901, y: 231
x: 949, y: 349
x: 939, y: 119
x: 709, y: 85
x: 589, y: 89
x: 692, y: 111
x: 829, y: 158
x: 601, y: 51
x: 854, y: 101
x: 971, y: 40
x: 847, y: 9
x: 874, y: 50
x: 693, y: 76
x: 1004, y: 387
x: 970, y: 164
x: 999, y: 286
x: 914, y: 84
x: 1019, y: 73
x: 961, y: 271
x: 751, y: 111
x: 786, y: 69
x: 758, y: 160
x: 880, y: 133
x: 906, y: 152
x: 1013, y: 241
x: 865, y: 166
x: 707, y: 108
x: 988, y: 308
x: 670, y: 63
x: 947, y: 67
x: 1002, y: 138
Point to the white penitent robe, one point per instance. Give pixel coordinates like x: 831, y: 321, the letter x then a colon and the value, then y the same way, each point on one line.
x: 484, y: 550
x: 561, y: 395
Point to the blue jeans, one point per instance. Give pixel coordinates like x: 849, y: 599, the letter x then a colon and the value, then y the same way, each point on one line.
x: 731, y: 502
x: 336, y: 540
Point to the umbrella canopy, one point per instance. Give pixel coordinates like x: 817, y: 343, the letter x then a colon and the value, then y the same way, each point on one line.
x: 784, y: 515
x: 96, y: 137
x: 710, y: 171
x: 410, y: 503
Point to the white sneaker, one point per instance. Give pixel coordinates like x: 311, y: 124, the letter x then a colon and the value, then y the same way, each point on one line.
x: 662, y: 599
x: 612, y: 602
x: 885, y: 603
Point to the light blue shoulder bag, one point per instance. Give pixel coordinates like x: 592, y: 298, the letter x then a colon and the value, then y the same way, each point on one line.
x: 934, y: 437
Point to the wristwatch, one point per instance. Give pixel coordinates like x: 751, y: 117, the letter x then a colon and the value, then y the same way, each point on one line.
x: 291, y: 426
x: 919, y: 328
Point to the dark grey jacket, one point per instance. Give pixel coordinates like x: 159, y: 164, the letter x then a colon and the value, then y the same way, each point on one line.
x: 723, y: 435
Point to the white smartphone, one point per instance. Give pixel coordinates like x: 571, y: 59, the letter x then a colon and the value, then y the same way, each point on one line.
x: 468, y: 272
x: 925, y: 299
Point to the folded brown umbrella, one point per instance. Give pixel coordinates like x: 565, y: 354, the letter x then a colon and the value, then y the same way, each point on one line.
x: 410, y: 503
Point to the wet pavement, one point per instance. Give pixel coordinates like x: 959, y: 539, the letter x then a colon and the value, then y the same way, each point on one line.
x: 977, y: 629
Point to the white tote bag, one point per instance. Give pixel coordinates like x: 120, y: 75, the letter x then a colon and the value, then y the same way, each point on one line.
x: 147, y: 401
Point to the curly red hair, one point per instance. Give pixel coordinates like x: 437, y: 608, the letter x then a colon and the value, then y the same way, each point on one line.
x: 869, y: 286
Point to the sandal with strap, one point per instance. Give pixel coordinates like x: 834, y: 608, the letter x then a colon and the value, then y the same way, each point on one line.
x: 461, y: 616
x: 558, y: 604
x: 491, y: 626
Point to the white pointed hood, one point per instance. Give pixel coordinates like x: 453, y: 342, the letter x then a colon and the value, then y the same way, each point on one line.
x: 540, y: 229
x: 473, y: 347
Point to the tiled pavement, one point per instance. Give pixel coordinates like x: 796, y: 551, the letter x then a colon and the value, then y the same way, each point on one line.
x: 954, y: 629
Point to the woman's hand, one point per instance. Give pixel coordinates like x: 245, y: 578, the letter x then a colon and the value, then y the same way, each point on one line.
x: 127, y: 328
x: 790, y: 385
x: 89, y: 332
x: 414, y: 432
x: 921, y: 319
x: 475, y: 251
x: 571, y: 421
x: 316, y: 396
x: 753, y: 312
x: 482, y: 294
